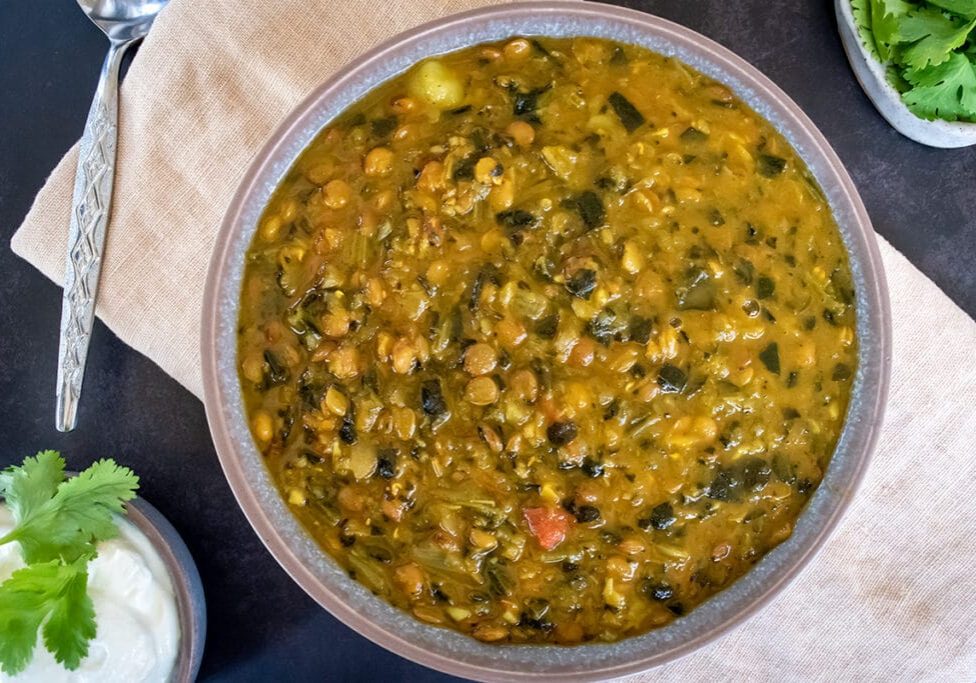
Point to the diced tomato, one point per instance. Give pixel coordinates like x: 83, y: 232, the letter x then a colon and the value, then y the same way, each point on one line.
x: 548, y: 525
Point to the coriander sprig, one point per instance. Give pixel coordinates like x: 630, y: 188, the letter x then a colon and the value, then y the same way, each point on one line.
x: 58, y: 523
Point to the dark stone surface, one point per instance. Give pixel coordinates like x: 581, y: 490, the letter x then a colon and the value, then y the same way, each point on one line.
x: 262, y: 626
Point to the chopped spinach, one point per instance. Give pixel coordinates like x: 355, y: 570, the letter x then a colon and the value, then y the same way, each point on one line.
x: 640, y: 329
x: 589, y: 206
x: 525, y: 104
x: 659, y: 592
x: 546, y: 327
x: 628, y: 114
x: 671, y: 379
x: 660, y: 517
x: 770, y: 166
x: 744, y: 271
x: 582, y: 283
x: 692, y: 134
x: 464, y: 169
x: 276, y: 373
x: 765, y: 287
x: 383, y: 127
x: 698, y: 293
x: 770, y: 357
x: 517, y: 219
x: 431, y: 399
x: 605, y: 326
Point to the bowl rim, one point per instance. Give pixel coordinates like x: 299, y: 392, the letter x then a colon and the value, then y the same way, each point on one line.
x: 865, y: 411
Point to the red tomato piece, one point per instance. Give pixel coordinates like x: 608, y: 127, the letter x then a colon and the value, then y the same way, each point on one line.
x: 548, y: 525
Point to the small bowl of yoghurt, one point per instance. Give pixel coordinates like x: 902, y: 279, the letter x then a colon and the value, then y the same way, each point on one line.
x: 149, y: 606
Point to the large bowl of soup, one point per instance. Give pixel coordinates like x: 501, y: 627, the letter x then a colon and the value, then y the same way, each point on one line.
x: 547, y: 340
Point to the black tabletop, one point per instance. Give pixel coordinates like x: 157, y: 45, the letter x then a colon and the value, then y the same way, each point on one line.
x: 261, y: 625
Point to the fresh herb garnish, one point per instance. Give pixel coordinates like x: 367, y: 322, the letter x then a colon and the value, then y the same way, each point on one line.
x: 929, y: 49
x: 53, y: 593
x: 58, y: 523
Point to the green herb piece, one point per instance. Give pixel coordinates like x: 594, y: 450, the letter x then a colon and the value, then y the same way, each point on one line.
x: 692, y: 134
x: 526, y: 103
x: 770, y: 166
x: 885, y: 19
x: 861, y: 10
x: 946, y: 91
x: 933, y: 36
x: 628, y: 114
x: 964, y: 8
x: 841, y: 372
x: 671, y: 379
x: 383, y: 127
x: 699, y: 292
x: 52, y: 593
x: 582, y: 283
x: 589, y: 206
x: 68, y: 524
x: 517, y: 219
x: 29, y: 486
x: 464, y: 169
x: 770, y: 358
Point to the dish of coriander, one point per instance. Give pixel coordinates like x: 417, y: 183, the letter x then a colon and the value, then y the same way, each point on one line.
x: 917, y: 64
x: 928, y: 47
x: 541, y: 354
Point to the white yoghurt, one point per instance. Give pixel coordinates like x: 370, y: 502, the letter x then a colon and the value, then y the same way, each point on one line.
x: 138, y: 632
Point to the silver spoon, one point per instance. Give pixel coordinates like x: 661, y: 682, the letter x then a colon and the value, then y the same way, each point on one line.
x: 125, y: 22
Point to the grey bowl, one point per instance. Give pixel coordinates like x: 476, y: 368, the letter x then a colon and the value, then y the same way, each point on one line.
x: 191, y: 606
x: 396, y: 630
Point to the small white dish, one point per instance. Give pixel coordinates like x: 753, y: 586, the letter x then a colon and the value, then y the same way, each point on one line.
x: 871, y: 75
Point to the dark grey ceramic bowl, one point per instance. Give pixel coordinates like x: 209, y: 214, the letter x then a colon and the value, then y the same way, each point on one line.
x: 317, y: 573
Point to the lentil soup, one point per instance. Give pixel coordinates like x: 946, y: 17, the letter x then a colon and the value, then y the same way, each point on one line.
x: 547, y: 340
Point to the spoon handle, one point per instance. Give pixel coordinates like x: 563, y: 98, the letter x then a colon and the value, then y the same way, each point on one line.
x: 86, y: 235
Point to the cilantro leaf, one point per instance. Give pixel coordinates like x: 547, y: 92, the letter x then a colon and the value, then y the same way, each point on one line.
x: 80, y: 513
x: 946, y: 91
x: 934, y: 36
x: 862, y: 19
x: 886, y: 16
x: 55, y: 591
x: 20, y: 617
x: 71, y: 621
x: 964, y: 8
x: 27, y: 487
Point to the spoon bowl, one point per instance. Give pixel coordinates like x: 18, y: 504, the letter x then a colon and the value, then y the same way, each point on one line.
x: 122, y: 20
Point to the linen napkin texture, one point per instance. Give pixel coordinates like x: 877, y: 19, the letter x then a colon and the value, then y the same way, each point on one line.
x: 892, y: 596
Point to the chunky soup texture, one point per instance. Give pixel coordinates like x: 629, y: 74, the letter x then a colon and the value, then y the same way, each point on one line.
x: 547, y: 340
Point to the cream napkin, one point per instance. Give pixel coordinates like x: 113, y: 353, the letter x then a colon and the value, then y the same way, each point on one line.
x: 893, y: 594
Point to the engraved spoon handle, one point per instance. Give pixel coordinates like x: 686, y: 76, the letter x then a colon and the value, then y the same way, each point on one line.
x: 86, y: 235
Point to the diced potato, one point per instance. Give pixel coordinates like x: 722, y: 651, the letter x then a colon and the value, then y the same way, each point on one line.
x: 437, y: 85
